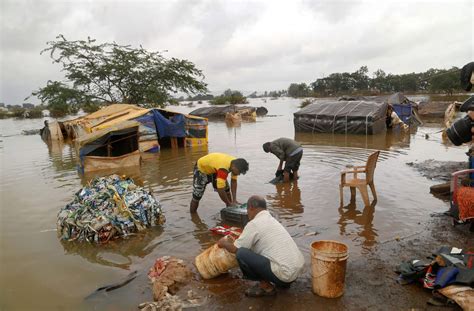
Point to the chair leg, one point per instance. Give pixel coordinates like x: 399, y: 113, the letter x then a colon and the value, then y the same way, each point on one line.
x: 341, y: 195
x: 372, y: 188
x: 365, y: 194
x: 353, y: 194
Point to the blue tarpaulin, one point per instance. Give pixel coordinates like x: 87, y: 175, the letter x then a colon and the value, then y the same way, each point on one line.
x: 173, y: 127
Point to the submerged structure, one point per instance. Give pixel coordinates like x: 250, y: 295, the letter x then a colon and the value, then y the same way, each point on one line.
x: 116, y: 135
x: 355, y: 114
x: 219, y: 112
x: 344, y: 117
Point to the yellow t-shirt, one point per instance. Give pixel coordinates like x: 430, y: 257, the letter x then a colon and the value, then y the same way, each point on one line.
x: 216, y: 163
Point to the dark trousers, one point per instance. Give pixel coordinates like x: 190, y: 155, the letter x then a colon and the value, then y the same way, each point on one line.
x: 257, y: 267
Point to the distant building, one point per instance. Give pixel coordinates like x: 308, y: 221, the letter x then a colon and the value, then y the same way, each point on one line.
x: 28, y: 106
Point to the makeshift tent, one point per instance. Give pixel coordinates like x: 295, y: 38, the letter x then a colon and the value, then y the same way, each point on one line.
x: 116, y: 146
x: 180, y: 130
x: 220, y: 111
x: 151, y: 129
x: 346, y: 117
x: 51, y: 131
x: 101, y: 119
x: 405, y: 108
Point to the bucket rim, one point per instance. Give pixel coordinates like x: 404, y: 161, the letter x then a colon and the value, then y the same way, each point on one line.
x: 330, y: 241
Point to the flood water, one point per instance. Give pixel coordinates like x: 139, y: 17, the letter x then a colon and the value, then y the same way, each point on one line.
x: 40, y: 272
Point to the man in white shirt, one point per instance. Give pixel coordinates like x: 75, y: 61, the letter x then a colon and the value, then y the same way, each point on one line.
x: 265, y: 251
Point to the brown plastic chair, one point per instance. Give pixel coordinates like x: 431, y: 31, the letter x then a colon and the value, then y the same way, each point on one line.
x: 361, y: 183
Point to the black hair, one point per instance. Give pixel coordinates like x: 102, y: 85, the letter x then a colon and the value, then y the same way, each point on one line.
x: 257, y: 202
x: 241, y: 164
x: 266, y: 146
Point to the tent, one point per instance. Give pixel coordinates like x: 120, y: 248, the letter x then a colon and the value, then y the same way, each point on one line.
x: 112, y: 147
x: 152, y: 130
x: 220, y: 111
x: 345, y: 117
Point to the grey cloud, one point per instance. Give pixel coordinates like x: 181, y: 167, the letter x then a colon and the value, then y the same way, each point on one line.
x: 241, y: 44
x: 334, y: 11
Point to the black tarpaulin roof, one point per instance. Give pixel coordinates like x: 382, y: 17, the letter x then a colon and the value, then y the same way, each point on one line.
x: 328, y: 108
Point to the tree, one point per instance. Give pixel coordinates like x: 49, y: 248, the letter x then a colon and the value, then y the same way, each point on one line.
x: 61, y: 99
x: 229, y: 97
x: 298, y: 90
x: 378, y: 81
x: 361, y: 79
x: 445, y: 81
x: 110, y: 73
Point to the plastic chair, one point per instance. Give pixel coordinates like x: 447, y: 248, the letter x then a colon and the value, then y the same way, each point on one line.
x: 465, y: 191
x: 361, y: 183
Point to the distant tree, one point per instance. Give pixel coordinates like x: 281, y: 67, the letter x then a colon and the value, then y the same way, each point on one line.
x: 253, y: 95
x: 378, y: 81
x: 446, y: 81
x: 299, y: 90
x: 201, y: 97
x: 229, y: 97
x: 111, y: 73
x: 361, y: 79
x: 61, y: 99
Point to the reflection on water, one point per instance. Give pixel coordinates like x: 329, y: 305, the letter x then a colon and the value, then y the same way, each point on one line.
x: 117, y: 253
x: 201, y: 232
x: 287, y: 196
x: 360, y: 223
x: 38, y: 179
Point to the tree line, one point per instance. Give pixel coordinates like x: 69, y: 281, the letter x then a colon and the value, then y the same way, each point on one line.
x: 97, y: 74
x: 360, y: 83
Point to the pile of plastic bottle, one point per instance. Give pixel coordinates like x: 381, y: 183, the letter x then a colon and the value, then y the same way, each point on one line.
x: 108, y: 208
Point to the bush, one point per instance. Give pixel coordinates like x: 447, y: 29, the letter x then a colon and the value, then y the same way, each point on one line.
x: 61, y: 109
x: 229, y: 97
x: 305, y: 103
x: 90, y: 107
x: 36, y: 112
x: 5, y: 114
x: 18, y: 112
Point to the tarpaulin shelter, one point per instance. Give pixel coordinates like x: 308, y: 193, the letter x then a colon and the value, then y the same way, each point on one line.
x: 405, y: 108
x: 155, y: 128
x: 221, y: 111
x: 112, y: 147
x: 345, y: 117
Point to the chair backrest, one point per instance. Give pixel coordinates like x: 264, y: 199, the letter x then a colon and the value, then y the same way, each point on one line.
x: 370, y: 166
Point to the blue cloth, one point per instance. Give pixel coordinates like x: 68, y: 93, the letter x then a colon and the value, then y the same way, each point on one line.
x: 173, y: 127
x: 445, y: 276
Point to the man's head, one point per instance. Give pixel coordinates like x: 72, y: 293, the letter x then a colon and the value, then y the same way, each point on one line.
x: 255, y: 204
x: 267, y: 147
x: 239, y: 166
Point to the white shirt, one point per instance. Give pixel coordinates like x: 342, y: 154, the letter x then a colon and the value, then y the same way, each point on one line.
x: 265, y: 236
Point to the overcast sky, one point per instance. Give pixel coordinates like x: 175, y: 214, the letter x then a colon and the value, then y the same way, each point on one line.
x: 243, y: 45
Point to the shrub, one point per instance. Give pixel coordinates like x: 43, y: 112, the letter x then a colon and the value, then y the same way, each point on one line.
x: 305, y: 103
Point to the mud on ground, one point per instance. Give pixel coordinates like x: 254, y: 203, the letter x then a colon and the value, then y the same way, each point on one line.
x: 370, y: 279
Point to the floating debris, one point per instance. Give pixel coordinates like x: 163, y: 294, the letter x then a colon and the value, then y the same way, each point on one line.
x: 109, y: 207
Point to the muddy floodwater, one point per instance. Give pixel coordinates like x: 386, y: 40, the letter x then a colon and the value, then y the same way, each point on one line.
x: 40, y: 272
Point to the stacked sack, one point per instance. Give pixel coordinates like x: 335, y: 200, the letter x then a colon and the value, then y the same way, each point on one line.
x: 109, y: 207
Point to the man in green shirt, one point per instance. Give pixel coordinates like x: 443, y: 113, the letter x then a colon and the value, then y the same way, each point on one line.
x: 289, y: 152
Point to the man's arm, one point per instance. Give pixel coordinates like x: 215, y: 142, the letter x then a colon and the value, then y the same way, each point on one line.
x: 233, y: 189
x: 471, y: 115
x: 228, y: 244
x: 280, y: 166
x: 223, y: 196
x: 276, y: 150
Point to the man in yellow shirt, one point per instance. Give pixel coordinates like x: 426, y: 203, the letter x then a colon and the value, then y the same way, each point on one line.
x: 214, y: 168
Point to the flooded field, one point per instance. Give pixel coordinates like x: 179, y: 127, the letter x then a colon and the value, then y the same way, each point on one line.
x: 40, y: 272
